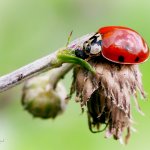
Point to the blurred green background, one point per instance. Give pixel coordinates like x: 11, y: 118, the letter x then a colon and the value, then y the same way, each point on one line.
x: 30, y: 29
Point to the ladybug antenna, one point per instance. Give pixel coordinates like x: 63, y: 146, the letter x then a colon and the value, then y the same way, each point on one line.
x: 69, y: 37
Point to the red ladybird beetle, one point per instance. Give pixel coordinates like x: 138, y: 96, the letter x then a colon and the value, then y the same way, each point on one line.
x: 117, y: 44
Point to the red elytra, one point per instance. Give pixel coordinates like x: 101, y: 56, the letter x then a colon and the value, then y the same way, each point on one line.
x: 123, y: 45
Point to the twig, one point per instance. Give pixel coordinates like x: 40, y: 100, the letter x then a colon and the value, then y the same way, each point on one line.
x: 58, y: 73
x: 43, y: 64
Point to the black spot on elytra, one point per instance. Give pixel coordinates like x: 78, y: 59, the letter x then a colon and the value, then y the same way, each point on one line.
x: 121, y: 58
x: 137, y: 59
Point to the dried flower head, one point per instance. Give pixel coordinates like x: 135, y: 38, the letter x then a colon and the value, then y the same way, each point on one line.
x: 107, y: 95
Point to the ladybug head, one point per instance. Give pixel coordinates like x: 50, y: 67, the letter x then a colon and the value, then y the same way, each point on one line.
x: 93, y: 45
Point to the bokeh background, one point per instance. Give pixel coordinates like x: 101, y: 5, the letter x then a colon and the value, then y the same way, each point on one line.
x: 30, y: 29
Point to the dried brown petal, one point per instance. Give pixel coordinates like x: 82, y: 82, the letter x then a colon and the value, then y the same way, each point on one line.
x: 107, y: 95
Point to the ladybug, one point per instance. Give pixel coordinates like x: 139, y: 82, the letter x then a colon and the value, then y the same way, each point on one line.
x: 117, y: 44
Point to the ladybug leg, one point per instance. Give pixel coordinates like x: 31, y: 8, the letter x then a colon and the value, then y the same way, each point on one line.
x: 68, y: 56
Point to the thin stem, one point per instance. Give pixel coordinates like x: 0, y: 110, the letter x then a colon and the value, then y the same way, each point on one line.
x: 43, y: 64
x: 58, y: 73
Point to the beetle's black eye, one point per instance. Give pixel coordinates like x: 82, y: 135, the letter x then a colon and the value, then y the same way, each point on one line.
x: 81, y: 54
x: 86, y: 48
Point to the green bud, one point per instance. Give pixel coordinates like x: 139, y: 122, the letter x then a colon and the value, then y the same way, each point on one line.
x: 41, y: 99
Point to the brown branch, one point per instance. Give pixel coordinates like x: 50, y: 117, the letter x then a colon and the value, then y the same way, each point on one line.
x: 41, y: 65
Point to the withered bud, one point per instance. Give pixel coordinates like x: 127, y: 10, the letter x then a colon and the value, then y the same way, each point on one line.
x: 107, y: 95
x: 41, y: 99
